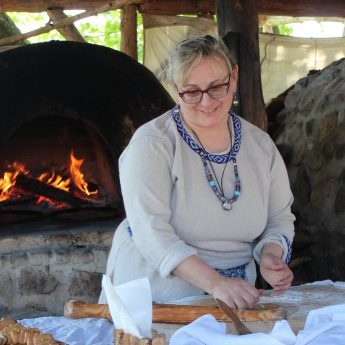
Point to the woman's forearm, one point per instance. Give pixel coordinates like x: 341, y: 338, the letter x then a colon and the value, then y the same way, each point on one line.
x: 198, y: 273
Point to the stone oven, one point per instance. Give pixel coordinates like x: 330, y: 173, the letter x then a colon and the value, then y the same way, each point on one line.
x: 310, y: 133
x: 67, y: 110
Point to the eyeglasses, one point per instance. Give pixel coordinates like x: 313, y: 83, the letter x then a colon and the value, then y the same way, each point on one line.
x: 195, y: 96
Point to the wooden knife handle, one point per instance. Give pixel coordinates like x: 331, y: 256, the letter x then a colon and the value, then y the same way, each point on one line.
x: 170, y: 313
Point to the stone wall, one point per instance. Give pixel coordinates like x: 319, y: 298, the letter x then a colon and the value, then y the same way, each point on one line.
x: 311, y: 138
x: 41, y: 270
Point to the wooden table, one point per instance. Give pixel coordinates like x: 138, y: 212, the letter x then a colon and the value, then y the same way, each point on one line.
x: 295, y: 304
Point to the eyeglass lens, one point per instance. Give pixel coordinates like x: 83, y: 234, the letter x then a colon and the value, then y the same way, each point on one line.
x: 215, y: 92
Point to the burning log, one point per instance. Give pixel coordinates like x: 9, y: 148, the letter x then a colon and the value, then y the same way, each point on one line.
x: 37, y: 187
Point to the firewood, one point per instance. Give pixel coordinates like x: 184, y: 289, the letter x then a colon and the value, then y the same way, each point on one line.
x: 37, y: 187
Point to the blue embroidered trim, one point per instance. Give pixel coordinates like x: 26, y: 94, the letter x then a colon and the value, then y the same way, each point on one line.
x: 289, y: 251
x: 236, y: 272
x: 220, y: 159
x: 129, y: 230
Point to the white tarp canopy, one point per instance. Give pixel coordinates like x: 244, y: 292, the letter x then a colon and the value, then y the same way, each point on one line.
x: 284, y: 59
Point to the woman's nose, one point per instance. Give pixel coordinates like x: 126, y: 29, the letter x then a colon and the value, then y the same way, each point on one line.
x: 206, y: 99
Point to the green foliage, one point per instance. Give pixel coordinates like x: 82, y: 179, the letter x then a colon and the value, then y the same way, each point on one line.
x: 26, y: 22
x: 285, y: 29
x: 103, y: 29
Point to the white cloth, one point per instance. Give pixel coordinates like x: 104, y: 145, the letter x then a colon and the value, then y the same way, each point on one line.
x: 323, y: 326
x: 75, y: 332
x: 130, y: 306
x: 208, y: 331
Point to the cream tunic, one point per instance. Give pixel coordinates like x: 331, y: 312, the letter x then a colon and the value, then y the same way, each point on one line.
x: 173, y: 213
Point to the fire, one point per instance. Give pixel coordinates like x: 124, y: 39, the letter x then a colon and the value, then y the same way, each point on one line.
x: 75, y: 181
x: 9, y: 179
x: 78, y: 176
x: 55, y: 180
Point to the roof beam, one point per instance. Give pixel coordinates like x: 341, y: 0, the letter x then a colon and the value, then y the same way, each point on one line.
x: 70, y: 32
x: 302, y: 8
x: 293, y: 8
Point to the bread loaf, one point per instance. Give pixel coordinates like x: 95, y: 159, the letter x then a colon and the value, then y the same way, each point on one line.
x: 13, y: 333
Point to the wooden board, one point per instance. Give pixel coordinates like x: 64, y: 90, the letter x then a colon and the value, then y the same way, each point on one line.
x: 295, y: 304
x: 298, y: 301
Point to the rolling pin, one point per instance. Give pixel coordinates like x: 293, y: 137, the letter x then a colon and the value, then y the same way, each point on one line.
x: 172, y: 313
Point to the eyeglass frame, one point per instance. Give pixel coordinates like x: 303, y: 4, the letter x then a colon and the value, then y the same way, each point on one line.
x: 227, y: 84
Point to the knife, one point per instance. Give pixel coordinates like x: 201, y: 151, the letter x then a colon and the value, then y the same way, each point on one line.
x: 239, y: 325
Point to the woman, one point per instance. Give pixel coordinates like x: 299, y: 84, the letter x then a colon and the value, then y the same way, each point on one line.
x: 205, y: 192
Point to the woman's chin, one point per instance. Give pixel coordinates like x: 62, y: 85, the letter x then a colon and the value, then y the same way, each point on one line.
x: 212, y: 120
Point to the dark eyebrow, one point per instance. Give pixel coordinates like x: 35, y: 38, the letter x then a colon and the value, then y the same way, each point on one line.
x: 217, y: 81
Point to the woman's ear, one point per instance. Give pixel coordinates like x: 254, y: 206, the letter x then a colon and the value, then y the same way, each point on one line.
x: 234, y: 75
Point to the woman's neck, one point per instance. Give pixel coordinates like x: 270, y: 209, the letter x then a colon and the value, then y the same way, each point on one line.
x: 215, y: 139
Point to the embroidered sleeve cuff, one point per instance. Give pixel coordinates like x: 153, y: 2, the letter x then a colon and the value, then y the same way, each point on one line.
x: 280, y: 240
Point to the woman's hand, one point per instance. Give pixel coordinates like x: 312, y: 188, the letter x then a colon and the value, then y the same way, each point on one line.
x: 273, y: 269
x: 236, y: 293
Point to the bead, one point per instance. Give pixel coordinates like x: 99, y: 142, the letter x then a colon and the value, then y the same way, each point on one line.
x: 227, y: 206
x: 205, y: 157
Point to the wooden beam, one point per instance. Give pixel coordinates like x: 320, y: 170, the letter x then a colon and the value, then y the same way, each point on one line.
x: 302, y: 8
x: 112, y: 5
x: 293, y: 8
x: 44, y: 5
x: 173, y: 7
x: 240, y: 17
x: 69, y: 32
x: 129, y: 40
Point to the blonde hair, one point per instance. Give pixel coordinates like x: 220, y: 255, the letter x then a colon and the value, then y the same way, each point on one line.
x: 189, y: 52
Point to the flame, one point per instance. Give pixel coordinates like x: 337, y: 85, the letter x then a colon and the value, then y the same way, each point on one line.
x: 55, y: 180
x: 77, y: 176
x: 8, y: 181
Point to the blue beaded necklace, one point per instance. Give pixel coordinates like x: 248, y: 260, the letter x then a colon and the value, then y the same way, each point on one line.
x: 205, y: 157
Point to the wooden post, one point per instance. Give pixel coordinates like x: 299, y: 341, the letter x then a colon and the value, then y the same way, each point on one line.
x: 240, y: 17
x: 129, y: 31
